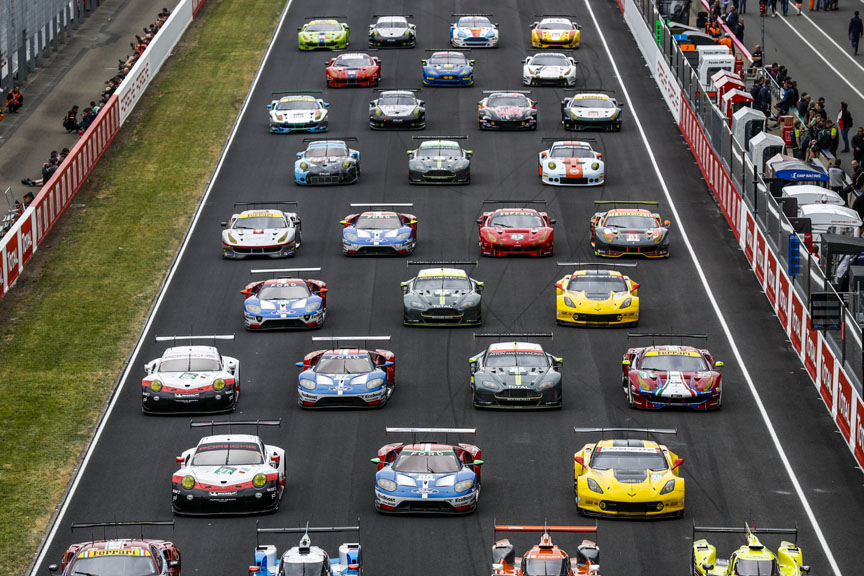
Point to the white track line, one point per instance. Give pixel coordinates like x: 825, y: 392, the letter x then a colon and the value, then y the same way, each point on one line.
x: 720, y: 317
x: 132, y: 361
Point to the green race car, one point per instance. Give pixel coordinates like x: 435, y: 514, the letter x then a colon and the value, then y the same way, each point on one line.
x: 323, y: 33
x: 750, y: 559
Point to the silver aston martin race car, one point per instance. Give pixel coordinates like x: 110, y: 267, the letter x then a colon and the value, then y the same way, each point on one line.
x: 261, y: 231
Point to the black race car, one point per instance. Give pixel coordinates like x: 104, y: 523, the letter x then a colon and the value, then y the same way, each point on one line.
x: 397, y: 109
x: 507, y: 110
x: 392, y: 32
x: 441, y: 297
x: 626, y: 231
x: 439, y: 160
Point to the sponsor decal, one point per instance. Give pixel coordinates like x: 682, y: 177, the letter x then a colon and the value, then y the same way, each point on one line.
x: 759, y: 262
x: 844, y: 404
x: 859, y: 431
x: 749, y: 236
x: 222, y: 494
x: 771, y: 278
x: 826, y: 375
x: 796, y: 324
x: 783, y: 299
x: 115, y: 552
x: 810, y: 340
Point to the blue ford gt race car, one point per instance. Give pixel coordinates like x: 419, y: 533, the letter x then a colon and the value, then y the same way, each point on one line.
x: 379, y: 232
x: 327, y: 162
x: 305, y: 558
x: 448, y: 68
x: 285, y: 302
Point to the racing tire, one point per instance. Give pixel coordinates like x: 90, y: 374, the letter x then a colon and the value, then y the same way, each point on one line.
x: 630, y: 397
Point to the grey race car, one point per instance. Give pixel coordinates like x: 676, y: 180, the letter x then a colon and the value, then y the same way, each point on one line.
x: 439, y: 160
x: 441, y: 297
x: 327, y: 162
x: 392, y: 32
x: 397, y: 110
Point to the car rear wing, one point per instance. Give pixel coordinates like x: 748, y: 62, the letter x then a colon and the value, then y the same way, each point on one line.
x: 564, y: 139
x: 630, y: 202
x: 554, y: 16
x: 392, y: 15
x: 460, y: 15
x: 655, y: 335
x: 447, y: 50
x: 229, y: 423
x: 442, y: 263
x: 514, y: 202
x: 544, y: 528
x: 339, y: 339
x: 140, y: 523
x: 325, y: 17
x: 439, y: 137
x: 381, y: 204
x: 600, y: 264
x: 507, y: 91
x: 213, y: 337
x: 397, y: 90
x: 267, y: 203
x: 284, y: 272
x: 589, y: 90
x: 333, y: 139
x: 415, y: 431
x: 746, y: 530
x: 514, y: 335
x: 646, y: 431
x: 297, y: 92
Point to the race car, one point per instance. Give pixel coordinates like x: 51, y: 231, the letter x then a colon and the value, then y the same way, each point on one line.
x: 545, y: 558
x: 439, y: 160
x: 298, y: 112
x: 595, y: 297
x: 571, y: 163
x: 346, y: 377
x: 327, y: 162
x: 261, y: 231
x: 428, y: 476
x: 628, y: 478
x: 549, y: 69
x: 397, y: 109
x: 323, y: 33
x: 392, y: 32
x: 379, y: 232
x: 442, y: 297
x: 191, y: 379
x: 284, y: 301
x: 514, y: 374
x: 629, y: 231
x: 107, y: 557
x: 473, y: 30
x: 555, y: 32
x: 229, y: 473
x: 658, y: 376
x: 447, y: 68
x: 306, y: 559
x: 591, y: 109
x: 516, y: 231
x: 750, y: 558
x: 353, y: 69
x: 507, y: 110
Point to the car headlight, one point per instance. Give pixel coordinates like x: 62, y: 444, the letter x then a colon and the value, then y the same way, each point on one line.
x: 346, y: 164
x: 416, y: 111
x: 304, y: 166
x: 155, y: 385
x: 532, y: 71
x: 407, y: 32
x: 668, y: 487
x: 416, y: 304
x: 607, y: 235
x: 259, y: 480
x: 385, y: 484
x: 595, y: 165
x: 312, y: 306
x: 253, y: 308
x: 378, y: 112
x: 573, y: 113
x: 218, y: 384
x: 462, y: 34
x: 466, y: 72
x: 231, y: 238
x: 467, y: 304
x: 188, y: 482
x: 375, y: 34
x: 490, y: 385
x: 350, y: 236
x: 567, y: 71
x: 464, y: 485
x: 546, y: 385
x: 626, y: 303
x: 551, y: 165
x: 593, y: 486
x: 282, y: 238
x: 307, y: 384
x: 403, y: 236
x: 374, y: 383
x: 569, y: 302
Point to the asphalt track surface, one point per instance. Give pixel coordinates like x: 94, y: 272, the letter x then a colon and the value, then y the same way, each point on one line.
x: 732, y: 470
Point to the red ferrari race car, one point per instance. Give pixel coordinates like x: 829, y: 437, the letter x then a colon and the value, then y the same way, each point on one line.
x: 664, y: 375
x: 509, y: 231
x: 120, y: 556
x: 353, y: 69
x: 630, y: 231
x: 545, y: 558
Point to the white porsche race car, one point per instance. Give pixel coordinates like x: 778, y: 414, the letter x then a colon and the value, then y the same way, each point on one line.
x: 261, y: 232
x: 549, y: 69
x: 298, y: 112
x: 571, y: 163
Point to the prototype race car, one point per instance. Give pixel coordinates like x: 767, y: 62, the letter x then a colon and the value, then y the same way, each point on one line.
x: 428, y: 476
x: 555, y: 32
x: 392, y: 32
x: 284, y: 301
x: 750, y: 559
x: 379, y: 232
x: 306, y: 559
x: 298, y: 112
x: 629, y: 231
x: 473, y: 30
x: 628, y: 478
x: 327, y: 162
x: 516, y: 231
x: 323, y: 33
x: 571, y: 163
x: 261, y: 231
x: 442, y: 297
x: 439, y: 160
x: 591, y: 109
x: 666, y: 375
x: 515, y: 375
x: 397, y: 109
x: 549, y: 69
x: 353, y: 69
x: 229, y: 473
x: 120, y: 555
x: 191, y: 379
x: 346, y: 377
x: 596, y: 297
x: 545, y: 558
x: 507, y: 110
x: 447, y: 68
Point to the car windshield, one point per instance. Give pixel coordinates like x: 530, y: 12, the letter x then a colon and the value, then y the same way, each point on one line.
x: 331, y: 150
x: 283, y: 292
x: 628, y: 459
x: 344, y: 364
x: 474, y: 22
x: 353, y: 60
x: 392, y: 24
x: 596, y: 284
x: 746, y: 567
x: 630, y: 221
x: 550, y: 60
x: 518, y: 101
x: 260, y: 223
x: 427, y: 461
x: 323, y: 27
x: 396, y: 100
x: 521, y: 358
x: 378, y: 222
x: 571, y: 152
x: 435, y: 149
x: 516, y: 220
x: 442, y: 58
x: 556, y: 26
x: 190, y: 364
x: 543, y: 567
x: 432, y: 283
x: 315, y: 568
x: 591, y: 103
x: 112, y: 563
x: 666, y: 362
x: 298, y: 104
x: 228, y: 454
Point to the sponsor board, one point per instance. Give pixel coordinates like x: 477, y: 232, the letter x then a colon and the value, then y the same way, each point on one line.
x: 771, y: 278
x: 749, y: 237
x: 759, y: 257
x: 796, y: 324
x: 858, y: 441
x: 845, y: 398
x: 826, y: 375
x: 811, y: 349
x: 782, y: 306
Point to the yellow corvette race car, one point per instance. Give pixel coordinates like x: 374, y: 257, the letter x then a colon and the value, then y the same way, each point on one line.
x: 596, y: 297
x: 750, y: 559
x: 628, y: 478
x: 555, y: 32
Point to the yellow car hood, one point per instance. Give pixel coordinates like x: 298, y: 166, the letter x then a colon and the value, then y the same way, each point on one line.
x: 632, y: 487
x: 599, y: 305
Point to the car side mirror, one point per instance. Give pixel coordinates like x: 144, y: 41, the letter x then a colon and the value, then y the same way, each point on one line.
x: 173, y: 563
x: 804, y: 569
x: 421, y: 103
x: 223, y: 224
x: 423, y: 61
x: 677, y: 463
x: 599, y: 155
x: 718, y: 364
x: 275, y: 458
x: 179, y: 459
x: 410, y: 153
x: 387, y: 364
x: 375, y: 460
x: 327, y: 64
x: 635, y: 287
x: 480, y: 220
x: 471, y: 62
x: 552, y: 221
x: 299, y: 155
x: 412, y: 221
x: 625, y: 362
x: 468, y: 153
x: 53, y: 568
x: 300, y: 29
x: 269, y: 106
x: 254, y: 569
x: 559, y: 286
x: 477, y: 463
x: 323, y: 291
x: 300, y: 364
x: 579, y: 460
x: 343, y: 222
x: 325, y: 104
x: 479, y: 286
x: 557, y: 361
x: 526, y: 60
x: 667, y: 223
x: 707, y: 566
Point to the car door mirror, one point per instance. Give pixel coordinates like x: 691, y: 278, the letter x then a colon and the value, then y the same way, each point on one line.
x: 480, y: 220
x: 300, y: 364
x: 471, y: 62
x: 718, y: 364
x: 421, y: 103
x: 299, y: 155
x: 375, y: 460
x: 557, y: 361
x: 677, y: 463
x: 423, y: 62
x: 552, y: 221
x: 468, y: 153
x: 275, y: 458
x: 387, y: 364
x: 625, y: 362
x: 634, y: 288
x: 707, y: 566
x: 175, y: 564
x: 559, y: 286
x: 477, y: 463
x: 269, y: 106
x: 599, y: 155
x: 479, y: 286
x: 179, y: 459
x: 667, y: 223
x: 53, y: 568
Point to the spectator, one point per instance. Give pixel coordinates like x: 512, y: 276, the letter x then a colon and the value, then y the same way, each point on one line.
x: 765, y: 98
x: 757, y: 56
x: 785, y: 7
x: 782, y: 107
x: 844, y: 123
x: 836, y: 177
x: 858, y: 204
x: 70, y: 121
x: 14, y: 99
x: 739, y: 30
x: 795, y: 145
x: 820, y: 109
x: 803, y: 105
x: 858, y: 145
x: 732, y: 18
x: 88, y: 118
x: 754, y: 91
x: 856, y: 29
x: 28, y: 199
x: 857, y: 182
x: 774, y: 8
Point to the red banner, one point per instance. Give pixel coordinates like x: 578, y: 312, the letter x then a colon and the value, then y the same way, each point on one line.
x: 858, y: 442
x: 749, y: 237
x: 771, y: 278
x: 27, y: 243
x: 826, y: 375
x: 811, y: 338
x: 759, y: 264
x: 12, y: 258
x: 783, y: 299
x: 796, y: 323
x: 844, y: 404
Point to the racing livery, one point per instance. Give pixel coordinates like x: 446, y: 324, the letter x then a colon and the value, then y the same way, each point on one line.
x: 447, y: 68
x: 473, y: 30
x: 191, y: 379
x: 326, y: 162
x: 545, y: 558
x: 120, y: 555
x: 229, y: 473
x: 261, y: 231
x: 442, y: 297
x: 397, y: 109
x: 516, y: 231
x: 750, y: 558
x: 591, y: 109
x: 507, y: 110
x: 658, y: 376
x: 298, y: 112
x: 426, y: 476
x: 379, y: 232
x: 392, y: 32
x: 628, y: 478
x: 549, y: 69
x: 555, y: 32
x: 515, y: 375
x: 305, y: 558
x: 284, y: 301
x: 595, y: 297
x: 629, y: 231
x: 353, y: 69
x: 323, y: 33
x: 439, y: 160
x: 346, y: 377
x: 571, y: 163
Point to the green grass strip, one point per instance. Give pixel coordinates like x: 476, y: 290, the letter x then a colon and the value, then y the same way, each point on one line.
x: 68, y: 329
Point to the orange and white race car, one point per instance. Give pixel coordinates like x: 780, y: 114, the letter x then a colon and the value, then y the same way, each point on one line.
x: 571, y: 163
x: 545, y: 558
